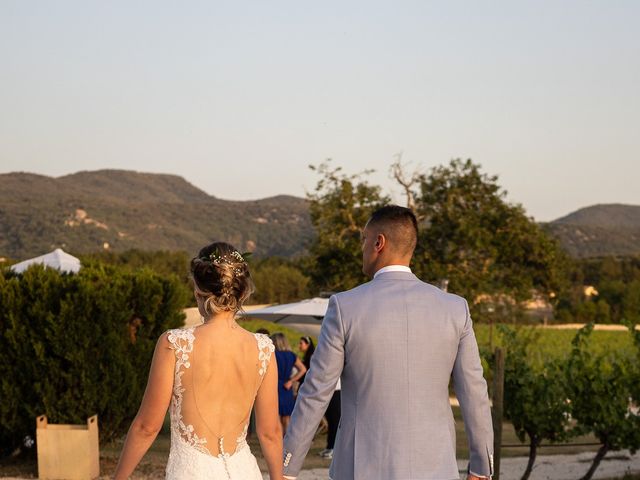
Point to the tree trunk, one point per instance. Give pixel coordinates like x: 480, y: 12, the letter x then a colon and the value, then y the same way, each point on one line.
x: 596, y: 461
x: 533, y: 450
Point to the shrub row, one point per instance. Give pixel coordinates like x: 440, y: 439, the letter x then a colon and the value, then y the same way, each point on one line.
x: 78, y: 344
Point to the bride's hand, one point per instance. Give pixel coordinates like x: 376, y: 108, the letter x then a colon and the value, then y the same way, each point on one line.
x: 287, y: 385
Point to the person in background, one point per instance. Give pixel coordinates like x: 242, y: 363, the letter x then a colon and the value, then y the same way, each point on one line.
x: 307, y: 347
x: 286, y: 360
x: 263, y: 331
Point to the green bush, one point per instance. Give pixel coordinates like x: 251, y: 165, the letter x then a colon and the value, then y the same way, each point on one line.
x: 76, y: 345
x: 164, y: 263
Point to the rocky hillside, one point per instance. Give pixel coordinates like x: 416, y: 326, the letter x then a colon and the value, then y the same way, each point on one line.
x: 120, y: 210
x: 599, y: 230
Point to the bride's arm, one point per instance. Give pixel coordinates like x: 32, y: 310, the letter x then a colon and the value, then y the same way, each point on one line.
x: 148, y: 421
x: 268, y: 425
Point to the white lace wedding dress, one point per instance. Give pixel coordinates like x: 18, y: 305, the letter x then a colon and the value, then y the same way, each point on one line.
x: 212, y: 445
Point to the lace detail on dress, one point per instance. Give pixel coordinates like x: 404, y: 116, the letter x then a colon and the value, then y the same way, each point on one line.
x: 241, y: 441
x: 182, y: 342
x: 266, y: 348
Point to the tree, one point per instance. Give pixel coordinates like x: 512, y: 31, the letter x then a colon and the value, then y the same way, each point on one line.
x: 535, y: 397
x: 339, y: 209
x: 617, y: 282
x: 278, y: 281
x: 408, y: 182
x: 485, y: 247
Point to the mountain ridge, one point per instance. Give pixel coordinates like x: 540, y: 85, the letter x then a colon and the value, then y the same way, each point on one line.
x: 87, y: 211
x: 599, y: 230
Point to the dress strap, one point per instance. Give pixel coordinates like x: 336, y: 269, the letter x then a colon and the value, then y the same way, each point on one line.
x: 181, y: 342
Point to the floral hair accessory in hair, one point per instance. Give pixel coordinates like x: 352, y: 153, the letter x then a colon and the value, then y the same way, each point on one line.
x: 229, y: 258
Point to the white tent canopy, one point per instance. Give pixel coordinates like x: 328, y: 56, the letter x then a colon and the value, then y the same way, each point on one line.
x: 58, y: 259
x: 304, y: 316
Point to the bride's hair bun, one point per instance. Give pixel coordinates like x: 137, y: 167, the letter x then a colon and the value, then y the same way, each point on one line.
x: 221, y: 276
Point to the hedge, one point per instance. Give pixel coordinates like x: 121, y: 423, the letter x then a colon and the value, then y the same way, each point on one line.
x: 78, y: 344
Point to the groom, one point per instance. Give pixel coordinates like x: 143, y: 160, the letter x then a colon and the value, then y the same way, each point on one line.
x: 395, y: 342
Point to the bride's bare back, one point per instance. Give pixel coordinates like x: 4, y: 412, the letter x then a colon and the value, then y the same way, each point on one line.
x: 217, y: 376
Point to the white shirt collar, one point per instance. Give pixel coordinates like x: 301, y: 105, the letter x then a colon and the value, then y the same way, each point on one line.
x: 392, y: 268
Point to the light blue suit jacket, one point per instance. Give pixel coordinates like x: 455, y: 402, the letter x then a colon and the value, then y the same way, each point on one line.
x: 395, y: 342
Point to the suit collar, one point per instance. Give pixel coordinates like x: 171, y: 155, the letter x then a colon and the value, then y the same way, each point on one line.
x: 392, y: 268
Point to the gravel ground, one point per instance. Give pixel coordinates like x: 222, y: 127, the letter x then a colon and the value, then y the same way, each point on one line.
x: 552, y: 467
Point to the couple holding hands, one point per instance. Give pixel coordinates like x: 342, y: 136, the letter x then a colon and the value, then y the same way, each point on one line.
x: 394, y: 343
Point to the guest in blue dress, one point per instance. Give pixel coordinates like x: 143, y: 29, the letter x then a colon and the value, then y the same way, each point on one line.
x: 286, y: 360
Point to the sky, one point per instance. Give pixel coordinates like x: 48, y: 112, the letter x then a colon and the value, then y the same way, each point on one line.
x: 240, y: 97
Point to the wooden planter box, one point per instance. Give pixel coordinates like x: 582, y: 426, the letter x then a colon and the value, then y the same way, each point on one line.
x: 68, y: 452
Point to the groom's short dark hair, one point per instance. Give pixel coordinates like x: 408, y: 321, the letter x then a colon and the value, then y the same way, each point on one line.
x: 399, y: 225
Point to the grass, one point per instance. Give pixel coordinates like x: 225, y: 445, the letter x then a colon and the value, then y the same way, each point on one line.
x: 557, y: 342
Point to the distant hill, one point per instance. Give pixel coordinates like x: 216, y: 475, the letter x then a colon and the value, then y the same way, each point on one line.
x: 599, y: 230
x: 119, y: 210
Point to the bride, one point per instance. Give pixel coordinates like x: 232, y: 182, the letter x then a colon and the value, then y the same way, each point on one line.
x: 210, y: 377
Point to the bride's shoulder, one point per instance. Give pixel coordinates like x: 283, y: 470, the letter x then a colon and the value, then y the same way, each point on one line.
x: 264, y: 341
x: 177, y: 337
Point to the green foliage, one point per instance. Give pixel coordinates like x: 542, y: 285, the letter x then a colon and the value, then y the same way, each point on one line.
x: 556, y: 344
x: 164, y: 263
x: 278, y: 280
x: 560, y: 384
x: 339, y: 209
x: 75, y: 345
x: 603, y: 392
x: 161, y: 262
x: 535, y: 397
x: 617, y: 281
x: 485, y: 247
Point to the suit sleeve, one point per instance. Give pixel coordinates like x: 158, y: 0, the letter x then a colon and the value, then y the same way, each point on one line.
x: 316, y: 391
x: 471, y: 390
